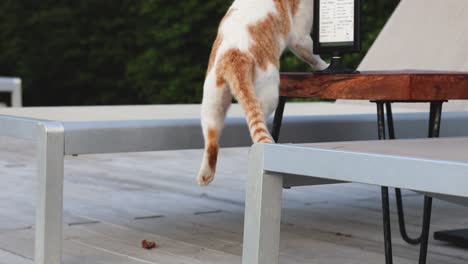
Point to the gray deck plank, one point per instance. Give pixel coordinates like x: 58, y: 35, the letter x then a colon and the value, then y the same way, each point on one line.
x: 11, y: 258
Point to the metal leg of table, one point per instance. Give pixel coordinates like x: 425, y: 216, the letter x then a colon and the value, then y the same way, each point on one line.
x: 381, y: 120
x: 435, y: 118
x: 48, y: 244
x: 385, y: 198
x: 387, y: 226
x: 425, y: 229
x: 398, y: 196
x: 263, y: 204
x: 434, y: 129
x: 401, y: 220
x: 277, y: 121
x: 391, y: 126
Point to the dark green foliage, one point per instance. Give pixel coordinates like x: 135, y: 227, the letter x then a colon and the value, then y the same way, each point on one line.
x: 176, y: 41
x: 122, y: 51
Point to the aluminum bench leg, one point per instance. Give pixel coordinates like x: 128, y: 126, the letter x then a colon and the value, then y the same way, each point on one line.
x: 263, y: 204
x: 48, y: 245
x: 16, y: 97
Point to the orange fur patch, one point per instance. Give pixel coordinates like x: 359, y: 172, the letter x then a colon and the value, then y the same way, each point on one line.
x: 265, y: 139
x: 212, y: 148
x: 266, y: 33
x: 259, y: 130
x: 256, y: 123
x: 237, y: 66
x: 294, y: 5
x: 220, y: 82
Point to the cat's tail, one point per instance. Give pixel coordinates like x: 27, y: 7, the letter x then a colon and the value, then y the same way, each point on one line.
x: 238, y: 70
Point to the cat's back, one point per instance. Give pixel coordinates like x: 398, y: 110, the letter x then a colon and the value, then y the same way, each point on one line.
x: 247, y: 12
x: 254, y: 5
x: 242, y: 15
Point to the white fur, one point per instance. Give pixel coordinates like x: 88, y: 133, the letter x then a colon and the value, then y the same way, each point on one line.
x: 235, y: 34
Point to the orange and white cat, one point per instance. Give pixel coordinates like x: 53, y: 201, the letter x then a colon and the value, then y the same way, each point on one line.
x: 244, y: 63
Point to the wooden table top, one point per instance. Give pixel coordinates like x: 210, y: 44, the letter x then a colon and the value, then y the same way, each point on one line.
x: 408, y: 85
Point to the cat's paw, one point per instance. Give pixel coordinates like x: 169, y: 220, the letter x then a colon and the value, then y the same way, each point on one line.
x: 205, y: 177
x: 321, y: 66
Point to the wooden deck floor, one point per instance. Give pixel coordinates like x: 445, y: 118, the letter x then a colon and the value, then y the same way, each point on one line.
x: 112, y: 202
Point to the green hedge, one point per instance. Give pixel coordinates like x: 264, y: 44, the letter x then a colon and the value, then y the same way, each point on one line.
x: 123, y: 51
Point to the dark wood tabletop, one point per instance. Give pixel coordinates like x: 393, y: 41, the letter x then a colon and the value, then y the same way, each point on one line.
x: 407, y: 85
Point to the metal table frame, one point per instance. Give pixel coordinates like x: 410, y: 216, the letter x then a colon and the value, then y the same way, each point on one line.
x: 385, y: 107
x: 274, y: 166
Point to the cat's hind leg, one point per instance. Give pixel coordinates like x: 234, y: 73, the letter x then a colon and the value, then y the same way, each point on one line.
x: 216, y: 101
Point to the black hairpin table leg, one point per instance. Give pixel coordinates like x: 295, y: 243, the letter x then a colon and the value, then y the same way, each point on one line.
x: 434, y: 129
x: 435, y: 119
x: 399, y: 200
x: 277, y: 121
x: 425, y: 229
x: 385, y: 198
